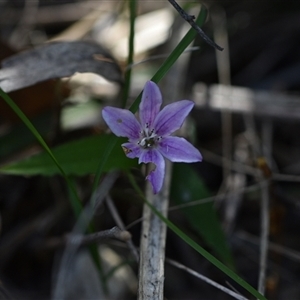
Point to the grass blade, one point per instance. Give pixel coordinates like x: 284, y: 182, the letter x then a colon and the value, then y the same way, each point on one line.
x: 75, y: 201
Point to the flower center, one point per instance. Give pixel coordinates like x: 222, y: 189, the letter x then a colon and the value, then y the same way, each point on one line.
x: 148, y: 138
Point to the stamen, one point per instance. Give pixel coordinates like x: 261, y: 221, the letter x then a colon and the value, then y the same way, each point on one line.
x: 143, y: 142
x: 148, y: 137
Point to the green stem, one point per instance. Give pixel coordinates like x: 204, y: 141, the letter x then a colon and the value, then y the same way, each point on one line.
x: 127, y: 80
x: 126, y: 89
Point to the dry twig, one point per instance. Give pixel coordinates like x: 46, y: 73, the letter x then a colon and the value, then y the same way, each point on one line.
x: 207, y: 280
x: 85, y: 240
x: 153, y: 240
x: 120, y: 223
x: 190, y: 20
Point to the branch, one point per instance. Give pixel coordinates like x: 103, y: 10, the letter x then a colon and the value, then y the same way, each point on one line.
x: 190, y: 20
x: 205, y: 279
x: 93, y: 238
x: 153, y: 241
x: 121, y: 225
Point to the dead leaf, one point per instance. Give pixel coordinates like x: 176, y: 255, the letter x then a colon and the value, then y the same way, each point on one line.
x: 56, y: 60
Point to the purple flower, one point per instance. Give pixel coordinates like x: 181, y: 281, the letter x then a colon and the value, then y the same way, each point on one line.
x: 150, y: 139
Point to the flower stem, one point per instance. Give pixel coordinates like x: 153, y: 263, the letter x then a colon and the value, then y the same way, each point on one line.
x: 127, y: 75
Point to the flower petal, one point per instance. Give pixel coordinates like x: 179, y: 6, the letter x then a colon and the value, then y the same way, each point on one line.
x: 131, y: 150
x: 156, y: 176
x: 178, y: 149
x: 122, y: 122
x: 171, y: 117
x: 150, y: 103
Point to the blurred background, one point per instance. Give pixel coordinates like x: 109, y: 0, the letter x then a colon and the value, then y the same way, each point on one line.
x: 245, y: 123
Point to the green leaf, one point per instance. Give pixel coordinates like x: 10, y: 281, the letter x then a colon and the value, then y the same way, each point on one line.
x: 78, y: 157
x: 186, y: 187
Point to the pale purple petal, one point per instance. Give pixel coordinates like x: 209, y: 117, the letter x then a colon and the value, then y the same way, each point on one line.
x: 178, y: 149
x: 156, y: 176
x: 131, y: 150
x: 150, y: 103
x: 122, y: 122
x: 171, y: 117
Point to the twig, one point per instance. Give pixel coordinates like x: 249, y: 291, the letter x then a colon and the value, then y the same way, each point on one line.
x: 267, y: 142
x: 232, y: 287
x: 234, y: 165
x: 285, y: 177
x: 99, y: 195
x: 79, y: 228
x: 121, y: 225
x: 85, y: 240
x: 207, y: 280
x: 287, y: 252
x: 223, y: 67
x: 190, y: 20
x: 152, y: 246
x: 113, y: 233
x: 242, y: 168
x: 226, y: 195
x: 264, y: 237
x: 137, y: 221
x: 256, y: 150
